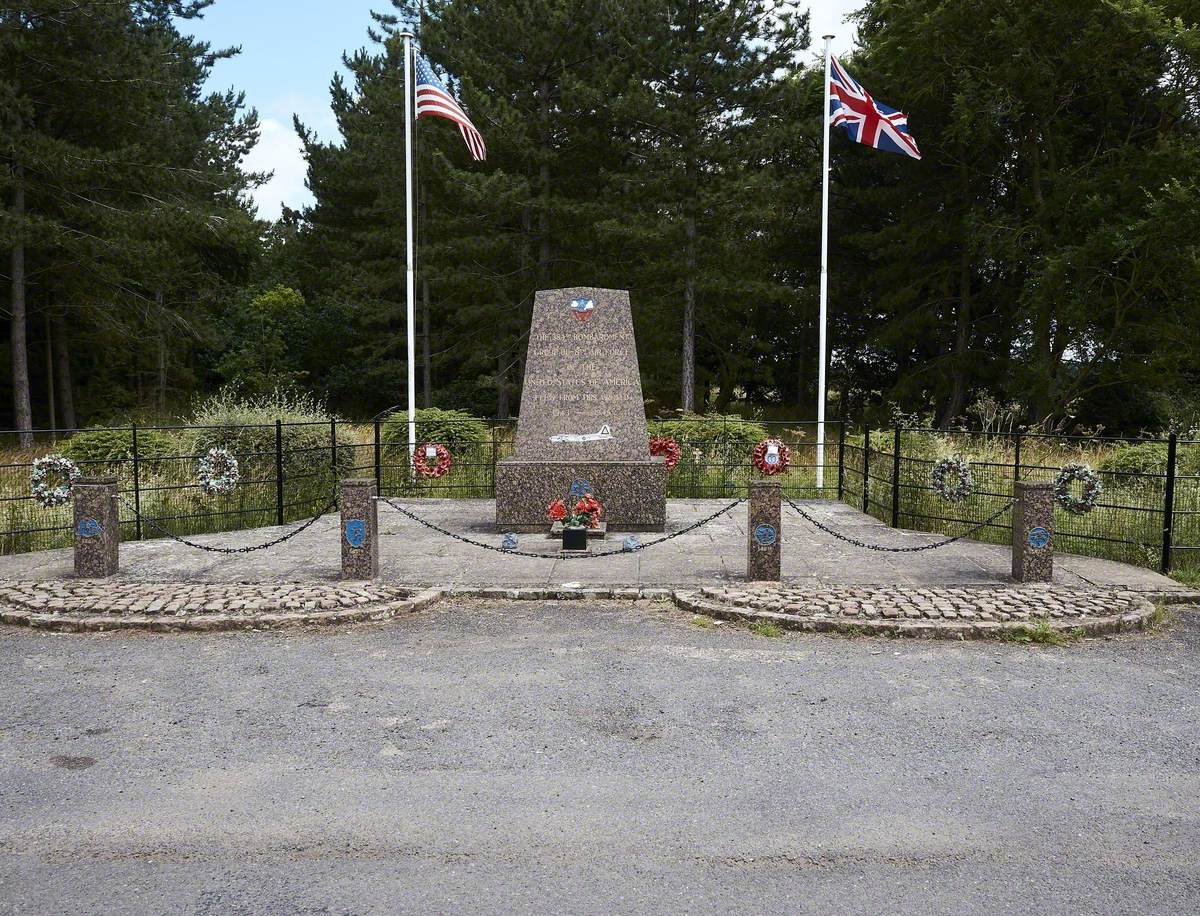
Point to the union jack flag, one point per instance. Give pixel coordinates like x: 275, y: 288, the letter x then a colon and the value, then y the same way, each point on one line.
x: 435, y: 101
x: 865, y: 119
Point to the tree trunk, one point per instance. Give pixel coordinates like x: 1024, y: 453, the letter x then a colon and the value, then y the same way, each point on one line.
x: 426, y: 358
x: 688, y: 380
x: 501, y: 389
x: 544, y: 183
x: 959, y: 364
x: 62, y: 370
x: 162, y: 356
x: 22, y: 412
x: 53, y: 425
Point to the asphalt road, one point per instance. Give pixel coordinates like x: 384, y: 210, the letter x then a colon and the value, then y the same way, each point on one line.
x: 596, y: 759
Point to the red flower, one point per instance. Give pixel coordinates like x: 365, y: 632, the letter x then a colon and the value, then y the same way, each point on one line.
x: 556, y: 511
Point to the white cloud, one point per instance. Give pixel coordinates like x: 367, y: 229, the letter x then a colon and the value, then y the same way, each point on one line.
x: 279, y: 150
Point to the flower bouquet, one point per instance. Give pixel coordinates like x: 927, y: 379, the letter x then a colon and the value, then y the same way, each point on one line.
x: 586, y: 514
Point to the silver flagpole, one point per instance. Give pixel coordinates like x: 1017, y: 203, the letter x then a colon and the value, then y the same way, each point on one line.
x: 410, y: 273
x: 824, y: 282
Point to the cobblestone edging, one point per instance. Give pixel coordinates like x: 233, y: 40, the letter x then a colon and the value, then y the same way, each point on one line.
x: 946, y: 613
x: 95, y: 606
x: 957, y: 613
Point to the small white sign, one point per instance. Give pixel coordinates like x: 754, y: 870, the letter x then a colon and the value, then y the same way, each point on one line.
x: 430, y: 452
x: 605, y: 432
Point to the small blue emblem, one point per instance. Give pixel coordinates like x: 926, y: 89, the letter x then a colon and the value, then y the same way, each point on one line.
x: 89, y: 528
x: 765, y: 535
x: 356, y: 532
x: 581, y: 488
x: 509, y: 542
x: 1038, y: 537
x: 631, y: 543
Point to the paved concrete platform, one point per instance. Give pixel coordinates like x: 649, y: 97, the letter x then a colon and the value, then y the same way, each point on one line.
x: 414, y: 555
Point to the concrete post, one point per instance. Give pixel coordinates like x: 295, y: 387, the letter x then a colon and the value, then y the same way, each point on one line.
x: 1033, y: 532
x: 97, y: 527
x: 764, y: 531
x: 360, y: 529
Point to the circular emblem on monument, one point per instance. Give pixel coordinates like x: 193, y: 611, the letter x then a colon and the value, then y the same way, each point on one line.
x: 1038, y: 537
x: 356, y: 532
x: 582, y: 308
x: 765, y: 535
x: 89, y: 528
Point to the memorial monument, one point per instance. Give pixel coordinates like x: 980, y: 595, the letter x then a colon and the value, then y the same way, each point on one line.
x: 582, y: 426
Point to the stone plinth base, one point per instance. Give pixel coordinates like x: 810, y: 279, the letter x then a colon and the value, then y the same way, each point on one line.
x: 1033, y: 532
x: 633, y: 493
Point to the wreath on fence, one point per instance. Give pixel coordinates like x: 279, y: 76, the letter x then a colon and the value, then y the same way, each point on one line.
x: 52, y: 480
x: 771, y: 457
x: 1092, y: 488
x: 951, y: 479
x: 218, y: 472
x: 432, y: 460
x: 668, y: 448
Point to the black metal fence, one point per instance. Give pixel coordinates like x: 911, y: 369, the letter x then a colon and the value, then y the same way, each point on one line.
x: 1147, y: 515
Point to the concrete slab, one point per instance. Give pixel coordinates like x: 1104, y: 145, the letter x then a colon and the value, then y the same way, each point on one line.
x: 411, y: 554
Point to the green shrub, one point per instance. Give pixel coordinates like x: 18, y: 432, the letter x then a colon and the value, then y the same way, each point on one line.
x: 97, y: 446
x: 1148, y: 458
x: 246, y: 426
x: 715, y: 435
x: 457, y: 430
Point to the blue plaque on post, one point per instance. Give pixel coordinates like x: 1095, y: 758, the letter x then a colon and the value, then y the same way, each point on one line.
x: 1038, y: 537
x: 765, y: 535
x: 89, y: 528
x: 356, y: 532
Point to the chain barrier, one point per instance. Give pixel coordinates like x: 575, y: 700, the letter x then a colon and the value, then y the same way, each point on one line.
x: 882, y: 549
x: 308, y: 523
x: 566, y: 556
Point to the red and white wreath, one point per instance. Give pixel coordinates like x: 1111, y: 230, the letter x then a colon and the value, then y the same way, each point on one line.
x: 668, y: 448
x: 431, y: 460
x: 771, y: 457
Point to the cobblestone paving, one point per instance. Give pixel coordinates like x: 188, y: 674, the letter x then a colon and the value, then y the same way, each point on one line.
x: 96, y: 605
x: 952, y: 612
x: 934, y: 603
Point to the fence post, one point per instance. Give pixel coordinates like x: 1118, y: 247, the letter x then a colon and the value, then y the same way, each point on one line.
x: 1169, y: 504
x: 724, y: 456
x: 379, y: 461
x: 896, y: 479
x: 1016, y: 457
x: 1033, y: 532
x: 360, y: 529
x: 97, y: 527
x: 279, y: 472
x: 137, y: 490
x: 333, y: 448
x: 764, y: 531
x: 841, y: 456
x: 866, y: 466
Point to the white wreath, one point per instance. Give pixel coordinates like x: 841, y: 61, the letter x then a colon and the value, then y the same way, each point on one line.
x: 1092, y: 488
x: 218, y: 472
x: 951, y: 479
x: 52, y: 480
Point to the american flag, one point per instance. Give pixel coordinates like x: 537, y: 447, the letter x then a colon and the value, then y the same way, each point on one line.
x: 864, y: 119
x: 435, y: 101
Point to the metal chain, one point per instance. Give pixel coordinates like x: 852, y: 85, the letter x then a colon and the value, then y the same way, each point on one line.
x: 565, y: 556
x: 857, y: 543
x: 232, y: 550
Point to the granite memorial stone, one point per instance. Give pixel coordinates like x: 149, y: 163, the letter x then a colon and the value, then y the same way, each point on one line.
x: 764, y: 531
x: 1033, y: 532
x: 360, y: 529
x: 583, y: 419
x: 97, y: 527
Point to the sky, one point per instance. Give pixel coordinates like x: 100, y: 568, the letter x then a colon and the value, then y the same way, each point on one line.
x: 290, y: 51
